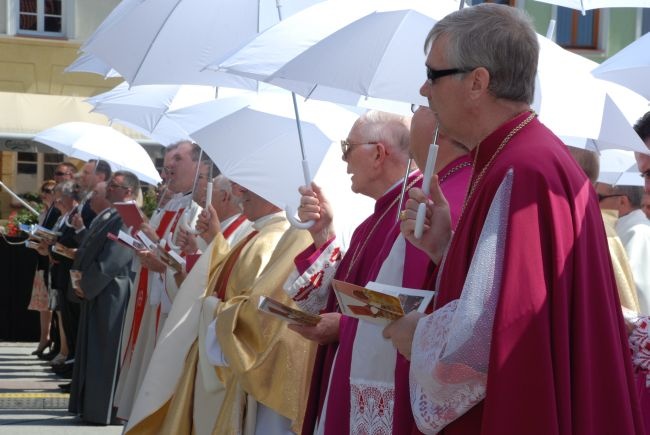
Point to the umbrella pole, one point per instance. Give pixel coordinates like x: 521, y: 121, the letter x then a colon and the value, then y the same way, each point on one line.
x: 404, y: 184
x: 426, y: 182
x: 305, y: 164
x: 18, y: 198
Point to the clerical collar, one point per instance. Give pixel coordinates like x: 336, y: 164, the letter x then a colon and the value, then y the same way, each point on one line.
x: 259, y: 223
x: 224, y: 223
x: 400, y: 181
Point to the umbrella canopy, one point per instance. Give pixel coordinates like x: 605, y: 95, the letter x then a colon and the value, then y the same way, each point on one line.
x: 89, y: 63
x: 355, y: 39
x: 618, y: 168
x: 85, y: 141
x: 257, y: 145
x: 585, y: 5
x: 576, y: 106
x: 143, y: 107
x: 629, y: 67
x: 170, y: 41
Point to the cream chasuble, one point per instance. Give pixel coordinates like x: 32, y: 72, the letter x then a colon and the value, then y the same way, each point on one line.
x: 266, y: 360
x: 166, y: 401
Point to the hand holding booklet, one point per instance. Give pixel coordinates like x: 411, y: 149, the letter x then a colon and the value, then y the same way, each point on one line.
x: 379, y: 303
x: 287, y: 313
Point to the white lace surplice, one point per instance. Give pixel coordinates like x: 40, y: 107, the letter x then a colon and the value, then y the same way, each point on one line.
x: 451, y: 347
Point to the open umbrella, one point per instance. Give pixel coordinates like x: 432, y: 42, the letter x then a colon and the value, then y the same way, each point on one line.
x: 170, y: 41
x: 144, y: 107
x: 366, y: 35
x: 256, y: 145
x: 89, y: 63
x: 629, y: 67
x: 578, y: 107
x: 585, y: 5
x: 85, y: 141
x: 618, y: 167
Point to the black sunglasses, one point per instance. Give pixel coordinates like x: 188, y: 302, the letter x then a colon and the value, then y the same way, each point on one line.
x: 435, y: 74
x: 47, y: 190
x: 61, y: 174
x: 602, y: 197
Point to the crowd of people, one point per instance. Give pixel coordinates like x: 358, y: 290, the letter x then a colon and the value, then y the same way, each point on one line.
x: 539, y: 320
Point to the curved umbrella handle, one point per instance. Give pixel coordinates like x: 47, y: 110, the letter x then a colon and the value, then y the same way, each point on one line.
x: 295, y: 222
x: 170, y: 243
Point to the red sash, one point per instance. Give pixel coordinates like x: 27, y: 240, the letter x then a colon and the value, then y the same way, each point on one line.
x: 233, y: 226
x: 143, y: 291
x: 224, y: 276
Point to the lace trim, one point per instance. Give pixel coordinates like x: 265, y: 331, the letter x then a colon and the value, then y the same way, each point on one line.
x: 640, y: 346
x: 310, y: 290
x: 371, y: 408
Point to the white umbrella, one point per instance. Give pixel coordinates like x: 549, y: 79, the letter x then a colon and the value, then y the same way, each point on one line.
x: 629, y: 67
x: 85, y: 141
x: 576, y: 106
x: 144, y: 107
x: 340, y: 26
x: 92, y: 64
x: 170, y: 41
x: 585, y: 5
x: 619, y: 167
x: 257, y: 145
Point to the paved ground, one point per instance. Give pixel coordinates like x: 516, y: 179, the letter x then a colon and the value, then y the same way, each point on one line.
x: 30, y: 399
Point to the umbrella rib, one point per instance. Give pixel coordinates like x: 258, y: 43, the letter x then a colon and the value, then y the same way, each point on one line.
x: 152, y: 42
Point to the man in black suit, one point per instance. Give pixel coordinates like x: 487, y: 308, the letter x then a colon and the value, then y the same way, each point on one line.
x: 104, y: 289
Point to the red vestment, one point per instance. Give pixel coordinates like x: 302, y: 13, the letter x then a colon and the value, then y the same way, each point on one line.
x: 559, y: 362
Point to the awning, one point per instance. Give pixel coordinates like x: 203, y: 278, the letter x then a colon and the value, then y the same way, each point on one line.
x: 23, y: 115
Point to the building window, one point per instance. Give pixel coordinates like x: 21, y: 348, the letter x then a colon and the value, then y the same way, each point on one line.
x: 40, y: 17
x: 27, y: 163
x: 50, y: 163
x: 578, y: 31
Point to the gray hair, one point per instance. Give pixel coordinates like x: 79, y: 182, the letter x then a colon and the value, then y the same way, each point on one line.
x: 130, y: 180
x: 386, y: 127
x: 220, y: 182
x: 497, y: 37
x: 68, y: 189
x: 634, y: 194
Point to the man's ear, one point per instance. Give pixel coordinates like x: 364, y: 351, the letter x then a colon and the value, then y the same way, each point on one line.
x: 480, y: 81
x: 381, y: 153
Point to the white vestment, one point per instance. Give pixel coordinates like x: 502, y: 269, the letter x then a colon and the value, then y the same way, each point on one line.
x: 634, y: 231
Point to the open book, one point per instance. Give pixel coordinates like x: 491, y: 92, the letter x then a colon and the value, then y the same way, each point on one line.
x: 39, y: 233
x: 287, y: 313
x: 63, y: 250
x: 128, y: 241
x: 379, y: 303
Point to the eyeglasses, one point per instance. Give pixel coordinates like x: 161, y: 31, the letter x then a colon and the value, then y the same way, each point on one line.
x: 346, y: 146
x: 117, y: 186
x: 602, y: 197
x: 47, y: 190
x: 645, y: 174
x: 61, y: 174
x: 433, y: 74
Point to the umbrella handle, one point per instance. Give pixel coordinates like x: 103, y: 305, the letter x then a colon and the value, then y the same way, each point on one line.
x: 295, y: 222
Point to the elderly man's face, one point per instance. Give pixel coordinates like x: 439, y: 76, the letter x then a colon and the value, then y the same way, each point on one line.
x: 181, y: 168
x: 360, y: 157
x: 643, y: 162
x: 98, y: 201
x: 254, y: 206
